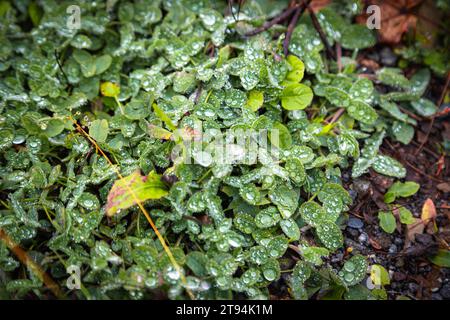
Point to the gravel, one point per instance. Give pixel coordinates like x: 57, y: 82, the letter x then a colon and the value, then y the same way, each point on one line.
x: 355, y: 223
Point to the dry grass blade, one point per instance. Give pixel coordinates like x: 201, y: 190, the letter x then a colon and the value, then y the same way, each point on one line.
x: 33, y: 266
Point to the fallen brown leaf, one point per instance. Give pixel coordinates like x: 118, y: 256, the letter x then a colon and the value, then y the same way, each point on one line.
x: 444, y: 187
x: 412, y: 229
x: 396, y: 18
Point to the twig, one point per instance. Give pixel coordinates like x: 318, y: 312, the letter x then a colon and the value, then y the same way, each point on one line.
x: 411, y: 165
x: 267, y: 25
x: 337, y: 115
x: 430, y: 152
x: 423, y: 173
x: 60, y: 67
x: 298, y: 12
x: 319, y: 30
x: 409, y: 113
x: 441, y: 99
x: 31, y: 264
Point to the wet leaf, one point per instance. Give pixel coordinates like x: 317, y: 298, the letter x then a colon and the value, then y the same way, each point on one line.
x: 441, y: 259
x: 109, y: 89
x: 296, y: 96
x: 379, y: 275
x: 387, y: 221
x: 400, y: 189
x: 330, y: 235
x: 388, y: 166
x: 128, y: 191
x: 99, y: 130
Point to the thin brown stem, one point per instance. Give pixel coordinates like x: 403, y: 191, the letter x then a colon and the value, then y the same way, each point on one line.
x: 322, y: 35
x: 298, y: 12
x: 277, y: 19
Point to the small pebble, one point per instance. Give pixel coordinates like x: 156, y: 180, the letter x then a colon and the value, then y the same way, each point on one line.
x: 413, y: 287
x: 436, y: 296
x: 445, y: 291
x: 353, y: 194
x: 393, y: 249
x: 363, y: 238
x: 361, y: 186
x: 388, y: 57
x: 400, y: 262
x: 355, y: 223
x: 353, y: 232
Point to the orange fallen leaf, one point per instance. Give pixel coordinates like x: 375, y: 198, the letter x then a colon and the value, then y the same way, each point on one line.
x: 428, y: 211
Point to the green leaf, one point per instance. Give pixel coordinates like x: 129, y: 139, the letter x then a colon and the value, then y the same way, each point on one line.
x: 441, y: 259
x: 280, y: 136
x: 388, y: 166
x: 393, y: 77
x: 363, y: 112
x: 86, y: 61
x: 403, y: 132
x: 312, y: 213
x: 183, y: 82
x: 137, y: 109
x: 297, y: 69
x: 296, y: 170
x: 314, y: 254
x: 424, y: 107
x: 354, y: 270
x: 164, y: 117
x: 102, y: 63
x: 406, y: 216
x: 128, y: 191
x: 337, y: 96
x: 285, y: 199
x: 290, y: 229
x: 197, y: 261
x: 35, y: 12
x: 387, y: 221
x: 99, y: 130
x: 301, y: 272
x: 330, y: 235
x: 267, y: 217
x: 296, y: 96
x: 399, y: 189
x: 250, y: 193
x: 357, y: 36
x: 379, y: 275
x: 255, y: 100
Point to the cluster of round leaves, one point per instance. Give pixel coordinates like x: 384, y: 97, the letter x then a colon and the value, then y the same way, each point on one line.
x: 132, y: 74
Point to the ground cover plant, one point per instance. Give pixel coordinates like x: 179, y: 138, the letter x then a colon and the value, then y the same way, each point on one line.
x: 223, y: 150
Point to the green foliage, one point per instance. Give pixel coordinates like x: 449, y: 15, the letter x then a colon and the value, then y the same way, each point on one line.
x: 401, y: 189
x: 138, y: 76
x: 387, y: 221
x: 354, y: 270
